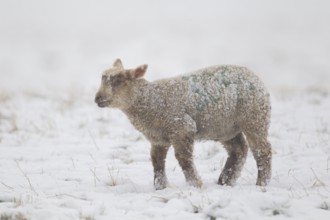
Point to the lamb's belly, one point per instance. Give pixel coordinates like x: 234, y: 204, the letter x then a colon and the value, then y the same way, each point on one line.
x: 216, y: 121
x: 216, y: 130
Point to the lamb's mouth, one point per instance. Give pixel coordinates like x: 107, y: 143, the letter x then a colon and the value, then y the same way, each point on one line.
x: 104, y: 103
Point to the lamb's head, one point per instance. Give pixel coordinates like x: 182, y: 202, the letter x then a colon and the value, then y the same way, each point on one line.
x: 115, y: 89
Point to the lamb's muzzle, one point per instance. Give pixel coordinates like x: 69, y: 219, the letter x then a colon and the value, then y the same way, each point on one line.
x: 102, y: 102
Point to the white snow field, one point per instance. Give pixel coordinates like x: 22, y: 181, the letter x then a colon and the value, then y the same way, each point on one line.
x: 62, y: 157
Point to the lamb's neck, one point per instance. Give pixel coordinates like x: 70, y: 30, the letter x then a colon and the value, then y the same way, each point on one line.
x: 140, y: 95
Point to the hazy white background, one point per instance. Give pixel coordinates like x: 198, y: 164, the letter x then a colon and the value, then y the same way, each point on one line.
x: 68, y: 43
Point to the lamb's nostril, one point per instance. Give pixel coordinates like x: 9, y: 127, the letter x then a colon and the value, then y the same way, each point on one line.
x: 97, y: 99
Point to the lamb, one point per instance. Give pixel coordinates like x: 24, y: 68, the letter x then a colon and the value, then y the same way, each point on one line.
x: 222, y: 103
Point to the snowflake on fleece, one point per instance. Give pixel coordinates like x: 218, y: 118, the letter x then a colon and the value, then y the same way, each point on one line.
x: 224, y: 103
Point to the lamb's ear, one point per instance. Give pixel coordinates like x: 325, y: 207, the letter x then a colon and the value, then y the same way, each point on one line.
x: 118, y: 64
x: 140, y: 71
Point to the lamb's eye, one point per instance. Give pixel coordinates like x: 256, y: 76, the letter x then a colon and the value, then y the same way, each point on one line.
x: 116, y: 81
x: 105, y: 78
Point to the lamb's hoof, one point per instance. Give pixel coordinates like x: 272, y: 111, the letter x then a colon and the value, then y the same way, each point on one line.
x: 160, y: 183
x: 196, y: 183
x: 262, y: 183
x: 158, y: 187
x: 225, y: 181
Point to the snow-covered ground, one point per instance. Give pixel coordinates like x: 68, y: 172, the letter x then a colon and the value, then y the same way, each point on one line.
x: 61, y: 157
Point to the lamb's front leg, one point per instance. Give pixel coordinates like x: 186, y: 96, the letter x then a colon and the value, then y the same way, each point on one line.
x: 184, y: 154
x: 158, y: 156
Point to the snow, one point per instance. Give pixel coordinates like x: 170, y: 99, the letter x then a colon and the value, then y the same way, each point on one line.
x: 62, y: 157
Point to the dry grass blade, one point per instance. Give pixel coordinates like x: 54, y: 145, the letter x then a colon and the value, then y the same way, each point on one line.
x: 317, y: 182
x: 95, y: 176
x: 26, y: 177
x: 93, y: 139
x: 8, y: 187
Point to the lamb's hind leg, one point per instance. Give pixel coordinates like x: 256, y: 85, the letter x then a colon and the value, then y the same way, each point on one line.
x: 262, y: 153
x: 237, y: 149
x: 158, y: 156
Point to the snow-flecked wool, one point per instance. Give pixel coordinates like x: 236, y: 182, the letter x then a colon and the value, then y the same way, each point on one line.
x: 222, y: 103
